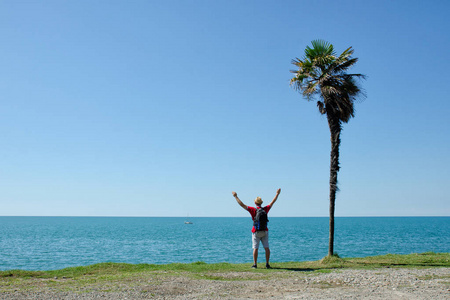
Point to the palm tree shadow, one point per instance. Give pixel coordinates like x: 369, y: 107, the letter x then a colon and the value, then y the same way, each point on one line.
x: 295, y: 269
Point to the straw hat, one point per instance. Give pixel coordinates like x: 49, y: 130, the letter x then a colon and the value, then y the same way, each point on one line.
x: 258, y: 201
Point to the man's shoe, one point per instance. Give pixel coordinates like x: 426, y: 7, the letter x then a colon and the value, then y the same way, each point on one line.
x: 254, y: 266
x: 268, y: 266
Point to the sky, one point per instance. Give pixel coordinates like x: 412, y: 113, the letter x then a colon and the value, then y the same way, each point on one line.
x: 163, y: 108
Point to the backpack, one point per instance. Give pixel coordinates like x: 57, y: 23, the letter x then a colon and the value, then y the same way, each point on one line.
x: 261, y: 219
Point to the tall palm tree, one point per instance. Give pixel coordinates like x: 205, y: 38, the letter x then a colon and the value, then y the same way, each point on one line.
x: 322, y: 73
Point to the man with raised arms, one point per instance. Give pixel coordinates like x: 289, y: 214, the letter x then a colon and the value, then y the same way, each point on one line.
x: 259, y: 234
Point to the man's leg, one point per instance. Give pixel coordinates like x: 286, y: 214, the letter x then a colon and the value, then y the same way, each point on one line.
x: 255, y: 244
x: 265, y: 242
x: 267, y: 255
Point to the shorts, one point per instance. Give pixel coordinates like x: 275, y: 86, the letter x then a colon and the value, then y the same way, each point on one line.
x: 264, y: 240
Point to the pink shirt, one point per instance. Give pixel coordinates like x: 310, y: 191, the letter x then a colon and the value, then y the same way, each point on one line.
x: 252, y: 211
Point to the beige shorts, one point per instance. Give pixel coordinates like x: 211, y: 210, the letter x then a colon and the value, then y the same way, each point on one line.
x: 260, y: 236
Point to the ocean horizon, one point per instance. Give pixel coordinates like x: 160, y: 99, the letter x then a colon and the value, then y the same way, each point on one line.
x: 194, y: 216
x: 55, y: 242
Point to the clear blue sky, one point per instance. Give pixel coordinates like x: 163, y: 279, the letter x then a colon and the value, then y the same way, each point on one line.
x: 163, y: 108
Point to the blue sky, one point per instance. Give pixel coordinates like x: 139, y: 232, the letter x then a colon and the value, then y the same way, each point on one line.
x: 163, y: 108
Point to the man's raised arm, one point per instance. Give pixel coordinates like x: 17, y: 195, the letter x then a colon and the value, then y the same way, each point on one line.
x: 239, y: 201
x: 275, y: 199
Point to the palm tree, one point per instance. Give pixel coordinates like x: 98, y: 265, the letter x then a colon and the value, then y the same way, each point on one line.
x: 322, y: 73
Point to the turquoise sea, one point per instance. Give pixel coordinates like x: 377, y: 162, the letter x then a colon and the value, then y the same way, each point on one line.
x: 45, y: 243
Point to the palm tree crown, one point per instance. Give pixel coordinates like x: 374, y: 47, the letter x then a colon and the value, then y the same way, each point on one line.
x: 321, y: 72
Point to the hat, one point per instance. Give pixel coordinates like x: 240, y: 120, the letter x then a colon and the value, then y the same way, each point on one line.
x: 258, y: 201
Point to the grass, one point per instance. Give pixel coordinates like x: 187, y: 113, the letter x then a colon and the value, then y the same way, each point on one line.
x: 113, y: 276
x: 428, y: 259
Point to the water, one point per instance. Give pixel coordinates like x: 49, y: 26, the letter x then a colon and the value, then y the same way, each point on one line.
x: 46, y: 243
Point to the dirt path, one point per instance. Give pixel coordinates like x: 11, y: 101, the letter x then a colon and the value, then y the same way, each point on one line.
x: 386, y: 283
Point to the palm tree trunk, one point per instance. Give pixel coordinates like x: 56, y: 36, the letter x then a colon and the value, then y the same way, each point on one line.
x: 335, y: 130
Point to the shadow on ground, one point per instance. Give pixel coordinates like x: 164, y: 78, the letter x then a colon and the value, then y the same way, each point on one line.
x: 296, y: 269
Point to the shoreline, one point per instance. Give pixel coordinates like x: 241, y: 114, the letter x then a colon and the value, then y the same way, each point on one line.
x: 56, y: 243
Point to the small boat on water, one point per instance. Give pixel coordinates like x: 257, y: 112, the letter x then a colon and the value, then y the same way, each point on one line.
x: 187, y: 220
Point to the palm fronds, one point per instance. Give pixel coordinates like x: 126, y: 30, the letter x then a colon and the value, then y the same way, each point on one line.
x: 322, y: 73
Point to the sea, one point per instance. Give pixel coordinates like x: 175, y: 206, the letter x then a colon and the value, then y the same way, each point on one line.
x: 49, y: 243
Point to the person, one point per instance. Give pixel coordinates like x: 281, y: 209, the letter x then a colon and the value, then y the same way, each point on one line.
x: 258, y: 237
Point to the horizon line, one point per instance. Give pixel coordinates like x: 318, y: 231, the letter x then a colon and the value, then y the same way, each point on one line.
x: 112, y: 216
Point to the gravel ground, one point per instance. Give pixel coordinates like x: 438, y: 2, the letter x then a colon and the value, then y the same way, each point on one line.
x: 386, y: 283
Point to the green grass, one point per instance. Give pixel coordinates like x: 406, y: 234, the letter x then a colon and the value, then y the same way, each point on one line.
x: 428, y: 259
x: 114, y: 276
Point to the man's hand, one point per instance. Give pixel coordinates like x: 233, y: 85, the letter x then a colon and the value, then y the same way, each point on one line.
x: 239, y: 201
x: 276, y: 197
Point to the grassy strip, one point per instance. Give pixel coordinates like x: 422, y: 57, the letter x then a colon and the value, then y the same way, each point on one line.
x: 429, y: 259
x: 118, y: 277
